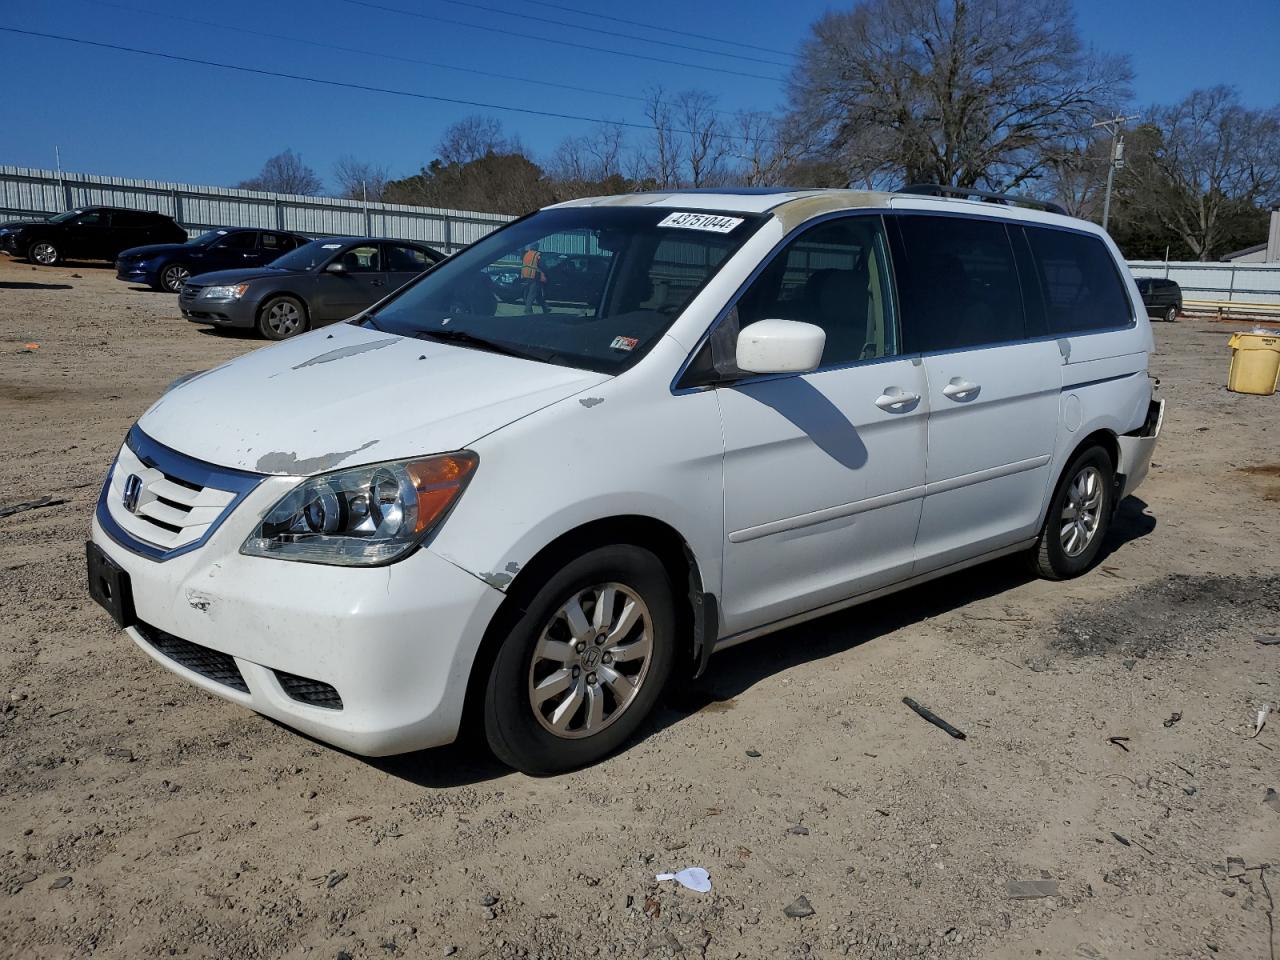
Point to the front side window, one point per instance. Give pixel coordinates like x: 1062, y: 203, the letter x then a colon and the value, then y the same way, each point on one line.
x: 589, y: 287
x: 1081, y: 285
x: 836, y: 276
x: 405, y: 259
x: 244, y: 240
x: 366, y: 259
x: 91, y: 219
x: 958, y: 283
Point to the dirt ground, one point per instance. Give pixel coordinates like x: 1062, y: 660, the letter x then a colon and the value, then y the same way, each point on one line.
x: 1107, y: 720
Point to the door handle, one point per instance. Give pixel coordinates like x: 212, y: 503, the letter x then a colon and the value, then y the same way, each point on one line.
x: 895, y: 398
x: 960, y: 389
x: 377, y: 283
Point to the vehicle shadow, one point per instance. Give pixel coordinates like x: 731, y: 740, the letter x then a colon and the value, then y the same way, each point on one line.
x: 738, y: 669
x: 24, y: 285
x: 225, y: 333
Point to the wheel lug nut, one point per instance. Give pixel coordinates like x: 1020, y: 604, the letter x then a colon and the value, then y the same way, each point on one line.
x: 581, y: 646
x: 576, y: 671
x: 607, y: 658
x: 591, y: 678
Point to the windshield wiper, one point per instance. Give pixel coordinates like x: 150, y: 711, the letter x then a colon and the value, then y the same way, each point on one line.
x: 470, y: 340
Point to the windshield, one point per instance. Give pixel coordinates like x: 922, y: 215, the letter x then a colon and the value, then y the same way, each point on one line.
x: 206, y: 238
x: 590, y: 287
x: 65, y: 216
x: 306, y: 257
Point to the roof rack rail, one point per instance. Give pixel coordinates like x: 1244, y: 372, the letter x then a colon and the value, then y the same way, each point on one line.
x: 968, y: 193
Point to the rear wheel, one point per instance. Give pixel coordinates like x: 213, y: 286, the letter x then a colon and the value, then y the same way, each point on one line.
x: 584, y: 664
x: 44, y: 253
x: 1171, y: 314
x: 173, y: 277
x: 281, y: 318
x: 1078, y: 519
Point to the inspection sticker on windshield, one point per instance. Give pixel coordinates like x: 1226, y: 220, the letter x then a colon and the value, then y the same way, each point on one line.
x: 625, y: 343
x: 700, y: 221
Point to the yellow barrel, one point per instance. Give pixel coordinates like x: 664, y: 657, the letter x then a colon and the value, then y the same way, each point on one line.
x: 1255, y: 363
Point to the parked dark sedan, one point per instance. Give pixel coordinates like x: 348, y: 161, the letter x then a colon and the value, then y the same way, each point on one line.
x: 89, y: 233
x: 1162, y: 298
x: 167, y: 266
x: 320, y: 282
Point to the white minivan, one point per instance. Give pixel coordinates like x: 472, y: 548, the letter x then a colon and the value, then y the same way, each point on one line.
x: 619, y: 434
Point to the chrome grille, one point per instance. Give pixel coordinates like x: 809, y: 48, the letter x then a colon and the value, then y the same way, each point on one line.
x: 159, y: 503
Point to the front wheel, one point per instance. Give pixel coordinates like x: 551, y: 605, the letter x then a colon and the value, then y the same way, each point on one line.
x: 44, y: 253
x: 584, y: 664
x: 1079, y: 517
x: 281, y: 318
x: 173, y: 277
x: 1171, y: 315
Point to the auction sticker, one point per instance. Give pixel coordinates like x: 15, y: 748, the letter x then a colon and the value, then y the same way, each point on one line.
x: 625, y: 343
x: 712, y: 222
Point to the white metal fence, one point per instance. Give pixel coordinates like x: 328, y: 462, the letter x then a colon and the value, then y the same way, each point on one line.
x: 1223, y: 282
x: 28, y: 193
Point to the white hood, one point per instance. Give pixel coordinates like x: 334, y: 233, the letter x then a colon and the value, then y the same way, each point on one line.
x: 346, y: 395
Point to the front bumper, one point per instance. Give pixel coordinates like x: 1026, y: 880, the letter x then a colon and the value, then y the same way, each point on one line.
x: 396, y: 643
x: 223, y: 313
x: 1137, y: 448
x: 136, y: 273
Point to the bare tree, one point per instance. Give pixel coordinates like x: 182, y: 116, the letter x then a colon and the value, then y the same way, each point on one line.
x: 662, y: 158
x: 474, y: 137
x: 591, y: 157
x: 769, y: 151
x: 965, y: 92
x: 285, y: 173
x: 1075, y: 176
x: 1203, y: 164
x: 705, y: 143
x: 360, y: 179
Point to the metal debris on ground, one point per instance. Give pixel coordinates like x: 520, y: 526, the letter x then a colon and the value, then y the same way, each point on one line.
x: 1030, y: 889
x: 1173, y: 718
x: 693, y: 878
x: 1266, y: 640
x: 1235, y: 866
x: 30, y: 505
x: 1119, y: 742
x: 1261, y: 720
x: 799, y: 908
x: 933, y: 718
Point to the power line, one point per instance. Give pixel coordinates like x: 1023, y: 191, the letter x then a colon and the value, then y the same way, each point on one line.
x: 651, y: 26
x: 610, y: 33
x: 367, y: 88
x: 367, y: 53
x: 563, y: 43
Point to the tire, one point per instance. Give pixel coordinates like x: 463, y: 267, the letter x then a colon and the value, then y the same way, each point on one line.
x: 44, y: 253
x: 1058, y: 553
x: 1171, y: 315
x: 281, y: 318
x: 551, y: 732
x: 173, y: 277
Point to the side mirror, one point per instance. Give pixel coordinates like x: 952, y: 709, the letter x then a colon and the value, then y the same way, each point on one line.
x: 336, y: 267
x: 780, y: 346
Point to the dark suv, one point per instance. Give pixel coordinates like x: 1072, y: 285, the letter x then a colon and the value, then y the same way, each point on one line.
x: 89, y: 233
x: 167, y: 266
x: 1162, y: 298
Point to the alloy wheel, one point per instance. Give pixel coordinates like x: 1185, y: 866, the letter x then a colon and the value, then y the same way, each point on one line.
x: 175, y: 277
x: 284, y: 318
x: 44, y: 253
x: 1082, y: 513
x: 590, y: 660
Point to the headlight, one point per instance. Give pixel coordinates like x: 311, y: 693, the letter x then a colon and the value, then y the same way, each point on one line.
x: 364, y: 516
x: 224, y: 293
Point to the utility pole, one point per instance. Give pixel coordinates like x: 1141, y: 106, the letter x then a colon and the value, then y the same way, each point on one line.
x: 1114, y: 126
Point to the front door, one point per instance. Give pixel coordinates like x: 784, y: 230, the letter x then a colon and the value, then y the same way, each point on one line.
x: 403, y: 263
x: 88, y: 235
x: 993, y: 386
x: 823, y: 472
x: 361, y: 284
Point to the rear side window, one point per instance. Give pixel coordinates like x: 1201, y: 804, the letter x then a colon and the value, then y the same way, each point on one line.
x: 1081, y: 285
x: 127, y: 218
x: 957, y: 283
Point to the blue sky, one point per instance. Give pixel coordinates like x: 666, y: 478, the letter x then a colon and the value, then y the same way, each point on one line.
x: 126, y: 115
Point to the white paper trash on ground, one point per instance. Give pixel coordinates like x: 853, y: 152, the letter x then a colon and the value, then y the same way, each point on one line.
x: 695, y: 878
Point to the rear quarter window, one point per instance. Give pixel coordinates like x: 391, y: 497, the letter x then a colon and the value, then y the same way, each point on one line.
x: 1079, y: 280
